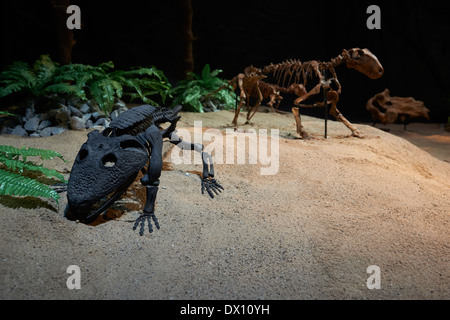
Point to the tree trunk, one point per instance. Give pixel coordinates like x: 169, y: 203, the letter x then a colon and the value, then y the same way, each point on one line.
x: 65, y: 35
x: 186, y: 62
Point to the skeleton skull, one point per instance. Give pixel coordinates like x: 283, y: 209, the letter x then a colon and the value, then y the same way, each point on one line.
x: 102, y: 169
x: 251, y: 71
x: 387, y: 109
x: 364, y: 61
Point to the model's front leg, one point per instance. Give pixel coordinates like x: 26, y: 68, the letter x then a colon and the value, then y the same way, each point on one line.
x: 209, y: 183
x: 151, y: 179
x: 149, y: 211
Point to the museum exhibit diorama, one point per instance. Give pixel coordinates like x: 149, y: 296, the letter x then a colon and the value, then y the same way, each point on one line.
x: 198, y: 150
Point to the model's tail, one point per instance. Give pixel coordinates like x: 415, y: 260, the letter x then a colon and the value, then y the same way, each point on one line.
x: 176, y: 109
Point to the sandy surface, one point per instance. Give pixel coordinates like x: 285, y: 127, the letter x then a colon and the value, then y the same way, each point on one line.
x: 334, y: 208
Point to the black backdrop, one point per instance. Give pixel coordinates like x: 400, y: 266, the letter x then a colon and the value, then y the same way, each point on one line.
x: 413, y: 43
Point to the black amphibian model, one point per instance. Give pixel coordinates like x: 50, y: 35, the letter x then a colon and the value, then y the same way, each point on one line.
x: 109, y: 161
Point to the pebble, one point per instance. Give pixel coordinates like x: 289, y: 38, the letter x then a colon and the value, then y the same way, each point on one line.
x: 19, y: 131
x: 32, y: 124
x: 85, y: 108
x: 44, y: 124
x: 46, y: 132
x: 57, y: 130
x: 74, y: 115
x: 75, y: 112
x: 77, y: 123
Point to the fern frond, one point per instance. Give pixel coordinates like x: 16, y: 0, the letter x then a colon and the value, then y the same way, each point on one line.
x: 65, y: 88
x: 20, y: 166
x: 5, y: 114
x: 149, y: 72
x: 103, y: 91
x: 10, y: 152
x: 15, y: 78
x: 44, y: 69
x: 10, y: 89
x: 16, y: 185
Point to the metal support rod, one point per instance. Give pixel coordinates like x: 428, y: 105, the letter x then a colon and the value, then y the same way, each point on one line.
x: 325, y: 93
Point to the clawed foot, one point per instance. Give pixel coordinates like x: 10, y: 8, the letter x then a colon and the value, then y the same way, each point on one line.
x: 311, y: 137
x: 210, y: 184
x: 357, y: 134
x: 141, y: 221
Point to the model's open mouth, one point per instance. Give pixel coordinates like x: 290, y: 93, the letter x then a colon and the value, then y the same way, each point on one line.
x: 88, y: 212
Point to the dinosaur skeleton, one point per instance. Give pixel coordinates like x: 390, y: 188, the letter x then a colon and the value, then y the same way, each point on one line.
x: 250, y: 85
x: 292, y: 76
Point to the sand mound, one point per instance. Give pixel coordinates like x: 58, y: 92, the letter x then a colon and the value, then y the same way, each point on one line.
x: 310, y: 231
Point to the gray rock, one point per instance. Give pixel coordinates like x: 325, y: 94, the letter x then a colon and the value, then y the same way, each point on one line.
x: 29, y: 113
x: 103, y: 122
x: 77, y: 123
x: 44, y: 124
x: 89, y: 124
x: 114, y: 114
x: 32, y: 124
x: 35, y: 135
x: 57, y: 130
x: 46, y: 132
x: 86, y: 117
x: 75, y: 112
x: 97, y: 115
x: 19, y: 131
x: 85, y: 108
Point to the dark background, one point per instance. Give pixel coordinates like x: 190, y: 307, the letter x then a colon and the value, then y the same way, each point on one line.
x: 412, y: 45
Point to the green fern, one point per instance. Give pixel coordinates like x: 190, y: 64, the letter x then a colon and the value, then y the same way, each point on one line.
x: 15, y: 78
x: 11, y: 152
x: 14, y: 167
x: 142, y: 83
x: 101, y: 83
x: 37, y: 80
x: 190, y: 91
x: 21, y: 166
x: 5, y: 114
x: 18, y: 185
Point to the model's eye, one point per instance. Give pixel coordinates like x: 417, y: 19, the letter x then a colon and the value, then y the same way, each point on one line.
x: 82, y: 154
x: 109, y: 160
x: 126, y: 144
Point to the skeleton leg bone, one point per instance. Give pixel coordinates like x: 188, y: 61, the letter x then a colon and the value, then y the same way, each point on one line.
x: 252, y: 111
x: 333, y: 96
x: 298, y: 121
x: 242, y: 97
x: 335, y: 113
